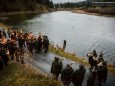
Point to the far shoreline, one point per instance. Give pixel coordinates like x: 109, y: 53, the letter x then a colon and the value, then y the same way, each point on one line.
x: 80, y: 11
x: 84, y: 12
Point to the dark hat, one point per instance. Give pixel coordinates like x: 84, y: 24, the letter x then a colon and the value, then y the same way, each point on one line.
x: 68, y: 66
x: 56, y: 59
x: 81, y: 66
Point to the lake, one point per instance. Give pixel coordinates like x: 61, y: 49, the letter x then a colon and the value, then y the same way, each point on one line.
x: 83, y: 33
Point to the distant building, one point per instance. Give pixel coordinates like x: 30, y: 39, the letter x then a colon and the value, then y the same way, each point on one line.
x: 108, y: 4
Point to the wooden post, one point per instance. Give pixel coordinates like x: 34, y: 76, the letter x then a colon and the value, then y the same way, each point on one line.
x: 64, y: 44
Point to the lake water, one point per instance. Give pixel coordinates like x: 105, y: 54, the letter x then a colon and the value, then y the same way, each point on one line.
x: 83, y: 33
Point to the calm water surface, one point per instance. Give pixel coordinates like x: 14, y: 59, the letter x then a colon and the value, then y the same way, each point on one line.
x: 82, y: 32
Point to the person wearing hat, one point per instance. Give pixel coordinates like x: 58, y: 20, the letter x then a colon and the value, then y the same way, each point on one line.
x: 102, y: 73
x: 4, y: 56
x: 90, y: 60
x: 4, y: 33
x: 56, y: 67
x: 40, y: 42
x: 78, y: 75
x: 100, y: 59
x: 94, y: 53
x: 46, y: 43
x: 66, y: 74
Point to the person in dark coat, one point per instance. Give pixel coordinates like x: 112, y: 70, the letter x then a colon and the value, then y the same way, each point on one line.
x: 36, y: 45
x: 4, y: 56
x: 101, y: 59
x: 101, y: 55
x: 4, y: 33
x: 78, y: 75
x: 102, y: 73
x: 66, y: 74
x: 8, y: 32
x: 91, y: 78
x: 56, y: 67
x: 90, y: 60
x: 11, y: 47
x: 105, y: 71
x: 30, y: 45
x: 46, y: 43
x: 20, y: 41
x: 40, y: 42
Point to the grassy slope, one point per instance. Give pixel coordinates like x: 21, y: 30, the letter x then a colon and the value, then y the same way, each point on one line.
x: 18, y: 75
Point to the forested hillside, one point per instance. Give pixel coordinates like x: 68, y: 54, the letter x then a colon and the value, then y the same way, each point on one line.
x: 23, y: 5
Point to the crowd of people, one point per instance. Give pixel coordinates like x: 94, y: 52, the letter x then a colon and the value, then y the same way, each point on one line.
x: 13, y: 43
x: 68, y: 74
x: 98, y: 71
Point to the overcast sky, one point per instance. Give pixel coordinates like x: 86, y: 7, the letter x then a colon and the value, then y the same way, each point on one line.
x: 58, y: 1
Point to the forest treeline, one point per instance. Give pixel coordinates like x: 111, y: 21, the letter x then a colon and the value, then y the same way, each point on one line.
x: 24, y: 5
x: 86, y: 3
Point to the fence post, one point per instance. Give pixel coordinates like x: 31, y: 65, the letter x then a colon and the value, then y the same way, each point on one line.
x: 64, y: 44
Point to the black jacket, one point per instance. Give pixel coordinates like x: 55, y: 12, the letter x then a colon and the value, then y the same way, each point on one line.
x: 78, y: 77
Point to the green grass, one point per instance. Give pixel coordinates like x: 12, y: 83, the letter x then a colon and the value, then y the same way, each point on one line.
x: 18, y: 75
x: 75, y: 58
x: 71, y: 56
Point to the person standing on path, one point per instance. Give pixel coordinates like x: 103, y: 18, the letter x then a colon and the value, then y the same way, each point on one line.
x: 66, y: 74
x: 56, y: 67
x: 78, y: 75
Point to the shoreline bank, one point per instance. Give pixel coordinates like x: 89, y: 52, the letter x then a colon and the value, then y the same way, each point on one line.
x: 84, y: 12
x: 81, y: 11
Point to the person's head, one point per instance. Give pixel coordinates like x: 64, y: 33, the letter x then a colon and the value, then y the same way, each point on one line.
x: 46, y: 36
x: 94, y: 51
x: 56, y: 59
x: 101, y: 54
x: 81, y: 66
x: 68, y: 66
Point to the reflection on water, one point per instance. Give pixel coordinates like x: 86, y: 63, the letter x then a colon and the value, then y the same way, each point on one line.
x: 83, y: 33
x: 16, y: 18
